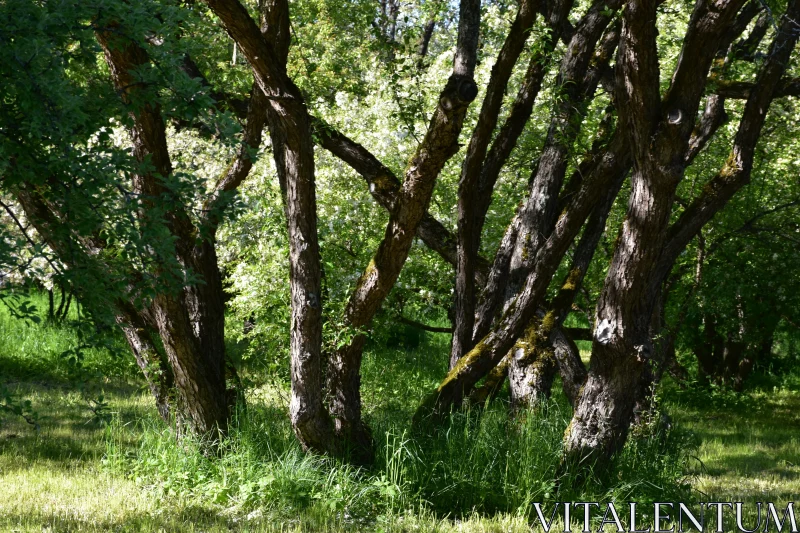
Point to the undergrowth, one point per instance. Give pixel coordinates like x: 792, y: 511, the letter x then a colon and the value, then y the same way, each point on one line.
x: 480, y: 461
x: 479, y: 464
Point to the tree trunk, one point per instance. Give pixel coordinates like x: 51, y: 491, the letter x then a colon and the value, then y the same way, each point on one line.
x: 190, y: 321
x: 622, y: 343
x: 599, y: 171
x: 566, y: 353
x: 153, y: 365
x: 62, y: 300
x: 533, y: 367
x: 709, y: 351
x: 266, y: 50
x: 65, y: 312
x: 438, y: 146
x: 536, y: 219
x: 50, y: 306
x: 570, y: 366
x: 344, y: 386
x: 733, y: 356
x: 469, y: 184
x: 491, y: 386
x: 200, y: 385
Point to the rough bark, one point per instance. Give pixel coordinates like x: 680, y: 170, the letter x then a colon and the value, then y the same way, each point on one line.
x: 535, y: 221
x: 487, y: 353
x: 746, y: 48
x: 151, y: 362
x: 468, y: 187
x: 659, y: 133
x: 532, y: 366
x: 562, y: 134
x: 570, y: 366
x: 190, y: 321
x: 491, y: 386
x: 512, y: 128
x: 736, y: 171
x: 713, y: 118
x: 440, y: 143
x: 496, y: 290
x: 741, y: 89
x: 293, y: 149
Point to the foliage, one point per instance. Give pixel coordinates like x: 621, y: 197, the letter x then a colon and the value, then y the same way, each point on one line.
x: 62, y: 133
x: 480, y: 462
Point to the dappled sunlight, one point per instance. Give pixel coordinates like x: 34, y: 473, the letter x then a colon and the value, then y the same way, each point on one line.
x: 749, y: 454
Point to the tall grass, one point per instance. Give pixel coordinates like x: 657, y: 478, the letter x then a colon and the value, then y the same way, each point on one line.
x: 480, y: 461
x: 477, y: 465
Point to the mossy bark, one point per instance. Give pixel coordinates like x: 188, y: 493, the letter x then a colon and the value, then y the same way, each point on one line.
x: 469, y: 184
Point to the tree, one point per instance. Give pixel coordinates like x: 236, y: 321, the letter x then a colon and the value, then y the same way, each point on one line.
x: 660, y: 134
x: 132, y: 223
x: 121, y: 224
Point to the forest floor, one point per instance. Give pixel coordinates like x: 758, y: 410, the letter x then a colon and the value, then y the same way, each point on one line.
x: 58, y: 477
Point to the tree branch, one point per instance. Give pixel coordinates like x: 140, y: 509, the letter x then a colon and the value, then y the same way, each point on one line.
x: 741, y: 90
x: 386, y: 188
x: 736, y: 171
x: 420, y: 325
x: 469, y: 183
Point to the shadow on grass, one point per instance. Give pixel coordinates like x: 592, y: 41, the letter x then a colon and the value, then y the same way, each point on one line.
x: 70, y: 434
x: 190, y: 519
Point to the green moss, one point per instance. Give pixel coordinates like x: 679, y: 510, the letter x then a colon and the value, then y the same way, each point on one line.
x: 730, y: 169
x: 571, y: 283
x: 530, y: 337
x: 548, y: 322
x: 526, y: 248
x: 367, y: 272
x: 473, y: 355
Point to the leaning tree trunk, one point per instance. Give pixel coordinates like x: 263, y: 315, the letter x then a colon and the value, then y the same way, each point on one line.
x: 577, y: 82
x: 622, y: 342
x: 530, y: 367
x: 438, y: 146
x: 152, y: 363
x: 551, y: 335
x: 469, y: 184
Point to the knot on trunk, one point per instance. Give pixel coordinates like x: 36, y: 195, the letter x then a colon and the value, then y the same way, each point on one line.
x: 459, y: 91
x: 643, y: 352
x: 467, y: 90
x: 675, y: 116
x: 604, y: 332
x: 312, y: 300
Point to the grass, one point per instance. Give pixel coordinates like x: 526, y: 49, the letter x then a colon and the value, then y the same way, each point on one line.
x: 118, y: 468
x: 750, y: 447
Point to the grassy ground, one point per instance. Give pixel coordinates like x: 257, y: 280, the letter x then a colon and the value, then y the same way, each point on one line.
x: 101, y: 462
x: 750, y: 447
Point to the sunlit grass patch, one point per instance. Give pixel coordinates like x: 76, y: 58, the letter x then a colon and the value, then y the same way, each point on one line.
x: 478, y: 471
x: 750, y: 448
